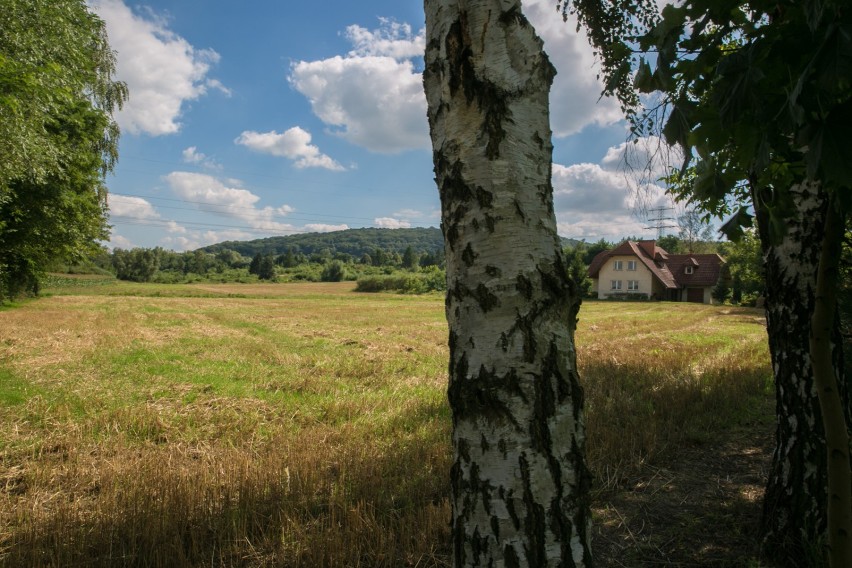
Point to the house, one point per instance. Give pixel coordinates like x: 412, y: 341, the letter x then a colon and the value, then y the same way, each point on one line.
x: 644, y: 270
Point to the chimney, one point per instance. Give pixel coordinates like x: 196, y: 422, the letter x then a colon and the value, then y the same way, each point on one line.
x: 649, y: 247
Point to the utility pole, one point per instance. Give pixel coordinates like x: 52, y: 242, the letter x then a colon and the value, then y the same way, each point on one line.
x: 659, y: 220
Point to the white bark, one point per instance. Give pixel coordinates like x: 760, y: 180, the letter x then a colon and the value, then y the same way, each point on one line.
x: 795, y: 505
x: 519, y: 479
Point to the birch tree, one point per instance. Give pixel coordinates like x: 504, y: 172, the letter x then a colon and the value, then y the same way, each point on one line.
x: 757, y: 95
x: 519, y: 479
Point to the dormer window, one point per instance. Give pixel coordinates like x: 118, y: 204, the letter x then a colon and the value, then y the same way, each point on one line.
x: 687, y: 270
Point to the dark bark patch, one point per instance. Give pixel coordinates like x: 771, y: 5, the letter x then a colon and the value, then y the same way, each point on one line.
x: 495, y: 528
x: 492, y: 101
x: 485, y: 397
x: 485, y: 298
x: 490, y: 223
x: 504, y: 342
x: 484, y: 198
x: 453, y: 190
x: 511, y: 557
x: 493, y: 271
x: 457, y: 47
x: 535, y: 522
x: 463, y: 450
x: 513, y: 16
x: 508, y: 498
x: 524, y: 286
x: 520, y: 211
x: 468, y: 256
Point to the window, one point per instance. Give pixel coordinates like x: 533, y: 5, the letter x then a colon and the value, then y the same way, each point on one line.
x: 631, y: 265
x: 616, y: 284
x: 633, y: 285
x: 687, y: 270
x: 618, y: 265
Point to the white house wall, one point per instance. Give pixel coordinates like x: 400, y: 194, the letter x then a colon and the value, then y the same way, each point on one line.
x: 608, y: 273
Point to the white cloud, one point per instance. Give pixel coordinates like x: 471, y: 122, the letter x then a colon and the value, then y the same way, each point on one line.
x: 191, y: 155
x: 162, y: 70
x: 294, y: 143
x: 198, y: 239
x: 372, y: 96
x: 209, y: 194
x: 391, y: 223
x: 408, y: 214
x: 392, y: 39
x: 118, y: 241
x: 606, y: 200
x: 174, y: 228
x: 324, y: 228
x: 575, y: 94
x: 133, y: 207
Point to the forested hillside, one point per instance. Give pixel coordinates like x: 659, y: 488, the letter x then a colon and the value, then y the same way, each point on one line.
x: 355, y: 242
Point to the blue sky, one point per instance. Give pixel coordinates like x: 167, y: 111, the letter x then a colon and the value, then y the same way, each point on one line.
x: 248, y: 120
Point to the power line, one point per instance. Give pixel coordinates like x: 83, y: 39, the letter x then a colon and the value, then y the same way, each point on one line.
x: 166, y: 224
x: 226, y: 209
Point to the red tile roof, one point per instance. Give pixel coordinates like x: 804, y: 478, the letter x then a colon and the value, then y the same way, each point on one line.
x: 669, y: 269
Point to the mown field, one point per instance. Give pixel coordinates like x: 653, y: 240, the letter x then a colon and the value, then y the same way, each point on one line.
x: 303, y: 424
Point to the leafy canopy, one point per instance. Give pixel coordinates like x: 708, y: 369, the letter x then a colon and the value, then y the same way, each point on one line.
x: 757, y: 94
x: 58, y: 137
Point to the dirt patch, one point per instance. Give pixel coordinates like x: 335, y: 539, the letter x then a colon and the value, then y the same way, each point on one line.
x: 701, y: 508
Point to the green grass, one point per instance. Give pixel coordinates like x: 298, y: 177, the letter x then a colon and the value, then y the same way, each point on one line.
x: 302, y: 424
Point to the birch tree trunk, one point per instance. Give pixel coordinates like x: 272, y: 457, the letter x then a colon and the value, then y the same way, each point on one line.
x: 519, y: 480
x: 795, y: 506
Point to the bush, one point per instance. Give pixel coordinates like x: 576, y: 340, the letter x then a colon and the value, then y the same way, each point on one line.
x: 333, y: 272
x: 430, y: 280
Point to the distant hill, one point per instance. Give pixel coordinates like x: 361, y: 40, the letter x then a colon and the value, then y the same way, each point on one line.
x: 351, y: 241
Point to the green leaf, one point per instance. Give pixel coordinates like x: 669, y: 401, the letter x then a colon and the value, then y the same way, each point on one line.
x: 678, y: 127
x: 734, y: 227
x: 644, y: 80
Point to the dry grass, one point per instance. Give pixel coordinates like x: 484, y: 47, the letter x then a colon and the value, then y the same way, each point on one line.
x: 300, y: 425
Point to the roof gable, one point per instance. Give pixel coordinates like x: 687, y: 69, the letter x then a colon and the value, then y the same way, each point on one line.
x: 669, y: 269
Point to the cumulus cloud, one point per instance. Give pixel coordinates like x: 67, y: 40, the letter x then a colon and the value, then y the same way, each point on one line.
x: 132, y: 207
x: 392, y: 39
x: 391, y: 223
x: 607, y: 200
x: 118, y: 241
x: 162, y: 70
x: 408, y: 214
x: 324, y: 228
x: 372, y: 96
x: 575, y: 94
x: 211, y: 195
x: 191, y: 155
x: 294, y: 144
x: 197, y: 239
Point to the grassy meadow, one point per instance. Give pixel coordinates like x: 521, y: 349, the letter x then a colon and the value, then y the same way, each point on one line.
x: 302, y: 424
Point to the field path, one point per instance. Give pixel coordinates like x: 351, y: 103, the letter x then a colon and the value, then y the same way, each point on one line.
x: 701, y: 508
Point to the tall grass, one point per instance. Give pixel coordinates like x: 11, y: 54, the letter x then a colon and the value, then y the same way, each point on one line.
x: 301, y: 425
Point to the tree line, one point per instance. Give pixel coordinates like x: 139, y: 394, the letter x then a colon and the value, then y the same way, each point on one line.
x: 228, y: 265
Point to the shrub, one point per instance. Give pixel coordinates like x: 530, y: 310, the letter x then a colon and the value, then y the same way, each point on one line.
x: 333, y: 272
x: 430, y: 280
